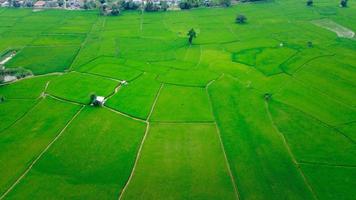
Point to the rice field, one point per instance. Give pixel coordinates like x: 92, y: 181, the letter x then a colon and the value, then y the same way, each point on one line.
x: 261, y: 110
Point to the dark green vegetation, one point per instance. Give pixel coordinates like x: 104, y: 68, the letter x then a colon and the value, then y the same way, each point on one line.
x: 260, y: 110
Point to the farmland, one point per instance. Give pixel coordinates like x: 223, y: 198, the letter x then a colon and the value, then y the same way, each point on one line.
x: 260, y: 110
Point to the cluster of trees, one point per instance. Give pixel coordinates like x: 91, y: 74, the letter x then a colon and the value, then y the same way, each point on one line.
x: 129, y: 5
x: 104, y: 9
x: 17, y: 3
x: 343, y: 3
x: 87, y: 5
x: 188, y: 4
x: 18, y: 72
x: 152, y: 7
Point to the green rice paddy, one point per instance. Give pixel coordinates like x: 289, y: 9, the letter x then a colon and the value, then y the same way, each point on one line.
x: 262, y: 110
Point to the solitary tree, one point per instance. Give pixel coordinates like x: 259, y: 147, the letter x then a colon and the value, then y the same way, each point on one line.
x: 2, y: 99
x: 310, y: 3
x: 241, y: 19
x: 343, y: 3
x: 192, y: 34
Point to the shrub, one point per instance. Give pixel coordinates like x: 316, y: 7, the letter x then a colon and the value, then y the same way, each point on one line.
x: 310, y: 3
x: 129, y: 5
x: 241, y: 19
x: 164, y: 5
x: 115, y: 10
x: 343, y: 3
x: 225, y: 3
x: 184, y: 5
x: 151, y: 7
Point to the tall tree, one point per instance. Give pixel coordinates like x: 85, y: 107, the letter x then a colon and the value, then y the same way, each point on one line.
x: 192, y: 34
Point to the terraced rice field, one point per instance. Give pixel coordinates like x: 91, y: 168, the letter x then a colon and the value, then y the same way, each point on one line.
x: 248, y: 111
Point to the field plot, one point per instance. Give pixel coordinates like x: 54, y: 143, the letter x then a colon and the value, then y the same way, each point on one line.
x: 88, y: 161
x: 331, y: 77
x: 262, y: 110
x: 175, y: 149
x: 260, y: 163
x: 311, y: 140
x: 25, y: 140
x: 12, y: 110
x: 183, y: 104
x: 308, y: 100
x: 340, y: 179
x: 110, y: 67
x: 20, y: 89
x: 137, y: 98
x: 78, y: 87
x: 341, y: 31
x: 59, y: 40
x: 42, y: 60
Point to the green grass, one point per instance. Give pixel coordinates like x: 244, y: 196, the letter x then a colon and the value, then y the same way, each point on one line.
x: 30, y: 88
x: 87, y: 161
x: 308, y: 99
x: 307, y: 126
x: 182, y: 104
x: 110, y: 67
x: 42, y: 60
x: 348, y: 129
x: 310, y: 140
x: 78, y: 87
x: 26, y: 139
x: 12, y: 110
x: 137, y: 97
x: 331, y: 182
x: 261, y: 172
x: 199, y: 77
x: 59, y: 40
x: 181, y: 161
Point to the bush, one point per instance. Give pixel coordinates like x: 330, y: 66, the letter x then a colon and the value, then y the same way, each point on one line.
x: 164, y: 5
x: 310, y: 3
x: 343, y: 3
x: 151, y: 7
x: 225, y: 3
x: 184, y: 5
x: 241, y: 19
x: 115, y: 10
x: 129, y: 5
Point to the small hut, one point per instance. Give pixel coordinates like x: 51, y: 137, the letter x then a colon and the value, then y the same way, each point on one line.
x: 97, y: 100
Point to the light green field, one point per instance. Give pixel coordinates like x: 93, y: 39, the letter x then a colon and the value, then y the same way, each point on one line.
x: 182, y: 104
x: 24, y: 140
x: 78, y: 87
x: 255, y: 111
x: 137, y: 97
x: 175, y: 149
x: 68, y: 169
